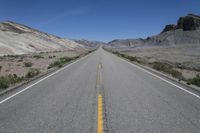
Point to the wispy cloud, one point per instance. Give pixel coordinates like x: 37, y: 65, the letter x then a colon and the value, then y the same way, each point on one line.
x: 61, y: 15
x: 78, y: 11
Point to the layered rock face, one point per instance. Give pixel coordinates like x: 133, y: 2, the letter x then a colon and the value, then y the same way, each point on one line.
x: 20, y: 39
x: 189, y: 22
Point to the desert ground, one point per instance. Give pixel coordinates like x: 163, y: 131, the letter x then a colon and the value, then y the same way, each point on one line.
x: 21, y: 64
x: 185, y: 58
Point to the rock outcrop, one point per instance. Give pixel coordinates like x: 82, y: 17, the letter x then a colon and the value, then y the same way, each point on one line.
x: 20, y: 39
x: 189, y: 22
x: 169, y: 27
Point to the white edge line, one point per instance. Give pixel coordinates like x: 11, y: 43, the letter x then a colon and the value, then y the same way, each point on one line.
x: 158, y: 77
x: 28, y: 87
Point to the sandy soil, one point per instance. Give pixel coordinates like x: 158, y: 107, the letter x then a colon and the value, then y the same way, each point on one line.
x: 15, y: 64
x: 185, y: 57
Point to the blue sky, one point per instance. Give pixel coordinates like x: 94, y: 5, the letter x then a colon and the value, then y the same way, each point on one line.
x: 102, y: 20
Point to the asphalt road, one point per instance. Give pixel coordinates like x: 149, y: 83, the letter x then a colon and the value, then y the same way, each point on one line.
x: 134, y: 101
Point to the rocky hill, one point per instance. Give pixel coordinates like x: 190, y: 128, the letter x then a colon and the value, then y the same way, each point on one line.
x: 126, y: 42
x: 178, y: 44
x: 90, y: 44
x: 20, y: 39
x: 186, y: 31
x: 190, y: 22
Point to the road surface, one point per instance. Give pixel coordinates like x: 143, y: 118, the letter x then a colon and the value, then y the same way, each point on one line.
x: 100, y: 92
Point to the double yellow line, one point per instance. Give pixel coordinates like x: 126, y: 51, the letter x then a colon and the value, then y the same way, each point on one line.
x: 100, y: 114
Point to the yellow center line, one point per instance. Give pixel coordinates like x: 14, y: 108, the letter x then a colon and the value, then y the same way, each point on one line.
x: 99, y: 77
x: 100, y: 115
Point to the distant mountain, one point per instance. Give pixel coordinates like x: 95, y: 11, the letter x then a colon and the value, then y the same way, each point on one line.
x: 187, y: 31
x: 20, y: 39
x: 126, y: 42
x: 91, y: 44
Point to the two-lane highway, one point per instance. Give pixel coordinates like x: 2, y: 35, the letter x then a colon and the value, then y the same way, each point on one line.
x: 100, y: 89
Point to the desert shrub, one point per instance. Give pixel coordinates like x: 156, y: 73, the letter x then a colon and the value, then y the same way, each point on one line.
x: 176, y: 74
x: 195, y: 80
x: 76, y: 57
x: 60, y: 65
x: 28, y: 64
x: 116, y: 52
x: 20, y: 60
x: 13, y: 56
x: 38, y: 56
x: 50, y: 57
x: 130, y: 58
x: 60, y: 62
x: 90, y: 51
x: 167, y: 68
x: 6, y: 81
x: 32, y: 73
x: 160, y: 66
x: 65, y: 59
x: 54, y: 64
